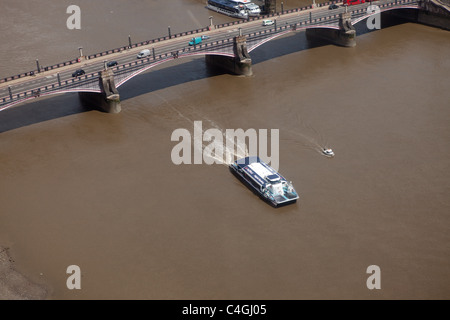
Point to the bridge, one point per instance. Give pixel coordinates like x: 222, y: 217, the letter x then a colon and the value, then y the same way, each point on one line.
x: 227, y: 46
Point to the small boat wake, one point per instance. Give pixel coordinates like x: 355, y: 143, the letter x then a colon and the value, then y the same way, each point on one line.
x: 310, y: 139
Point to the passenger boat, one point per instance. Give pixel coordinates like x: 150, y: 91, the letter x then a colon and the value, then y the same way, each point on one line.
x: 228, y: 8
x: 265, y: 181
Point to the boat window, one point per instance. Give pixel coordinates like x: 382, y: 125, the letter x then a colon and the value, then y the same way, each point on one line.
x: 273, y: 179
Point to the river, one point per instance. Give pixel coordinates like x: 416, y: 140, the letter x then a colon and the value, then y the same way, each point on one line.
x: 100, y: 191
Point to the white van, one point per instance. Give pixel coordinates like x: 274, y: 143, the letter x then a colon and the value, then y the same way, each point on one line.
x: 143, y: 54
x: 268, y: 22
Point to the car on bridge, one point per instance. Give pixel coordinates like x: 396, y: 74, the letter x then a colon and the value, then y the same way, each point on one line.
x: 205, y: 37
x: 333, y: 6
x: 144, y: 53
x: 78, y: 73
x: 195, y: 41
x: 111, y: 64
x: 268, y: 22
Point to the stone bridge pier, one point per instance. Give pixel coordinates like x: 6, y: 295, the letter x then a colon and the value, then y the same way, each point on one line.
x: 109, y: 99
x: 240, y: 64
x: 344, y: 36
x: 435, y: 13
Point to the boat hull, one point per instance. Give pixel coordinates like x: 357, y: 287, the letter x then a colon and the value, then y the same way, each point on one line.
x: 225, y: 12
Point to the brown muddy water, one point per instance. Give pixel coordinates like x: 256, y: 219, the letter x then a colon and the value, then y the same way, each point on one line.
x: 80, y: 187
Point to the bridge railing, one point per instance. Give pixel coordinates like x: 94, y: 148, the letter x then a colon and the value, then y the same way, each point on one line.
x: 56, y: 86
x: 156, y: 40
x: 120, y: 69
x: 36, y: 71
x: 139, y: 64
x: 103, y: 53
x: 312, y: 21
x: 262, y: 17
x: 147, y: 42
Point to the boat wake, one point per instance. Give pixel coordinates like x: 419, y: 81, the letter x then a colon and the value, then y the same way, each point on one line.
x: 215, y: 143
x: 223, y: 151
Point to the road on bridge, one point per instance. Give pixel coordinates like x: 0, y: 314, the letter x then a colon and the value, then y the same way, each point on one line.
x: 95, y: 65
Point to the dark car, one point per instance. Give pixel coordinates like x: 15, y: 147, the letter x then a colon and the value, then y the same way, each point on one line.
x: 78, y: 73
x: 333, y: 6
x: 112, y: 64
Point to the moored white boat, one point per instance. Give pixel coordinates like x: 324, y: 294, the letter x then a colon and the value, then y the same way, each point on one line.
x: 228, y: 8
x: 251, y: 8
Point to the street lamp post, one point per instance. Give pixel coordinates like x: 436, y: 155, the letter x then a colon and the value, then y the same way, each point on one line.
x: 129, y: 41
x: 282, y: 8
x: 170, y: 34
x: 211, y: 21
x: 81, y: 51
x: 10, y: 93
x: 38, y: 66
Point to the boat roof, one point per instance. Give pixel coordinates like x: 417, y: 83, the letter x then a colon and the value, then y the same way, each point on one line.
x: 258, y: 170
x: 262, y: 170
x: 243, y: 162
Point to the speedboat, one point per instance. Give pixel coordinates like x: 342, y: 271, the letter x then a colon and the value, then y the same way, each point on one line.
x: 265, y: 181
x: 328, y: 152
